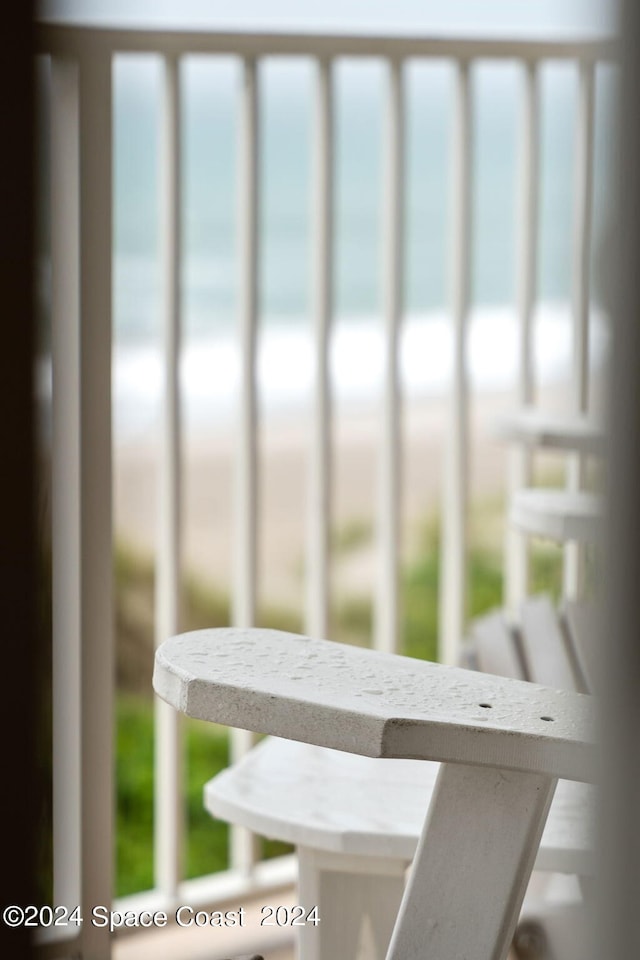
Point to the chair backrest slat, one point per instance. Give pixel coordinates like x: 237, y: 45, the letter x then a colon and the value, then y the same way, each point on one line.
x: 544, y: 646
x: 578, y: 622
x: 495, y: 647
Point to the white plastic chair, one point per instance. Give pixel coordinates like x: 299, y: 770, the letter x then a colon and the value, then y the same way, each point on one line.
x: 502, y: 743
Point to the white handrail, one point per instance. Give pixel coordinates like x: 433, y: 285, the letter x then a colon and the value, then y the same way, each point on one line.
x: 67, y: 40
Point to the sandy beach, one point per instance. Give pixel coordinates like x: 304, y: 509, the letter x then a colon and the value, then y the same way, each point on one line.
x: 208, y: 483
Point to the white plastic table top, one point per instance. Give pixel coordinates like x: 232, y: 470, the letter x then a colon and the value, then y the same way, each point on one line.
x: 374, y: 704
x: 539, y: 428
x: 561, y: 515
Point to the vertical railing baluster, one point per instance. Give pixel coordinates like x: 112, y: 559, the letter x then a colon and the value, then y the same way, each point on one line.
x: 83, y: 664
x: 169, y: 809
x: 453, y: 561
x: 387, y: 622
x: 320, y: 513
x: 520, y: 460
x: 574, y: 555
x: 243, y: 847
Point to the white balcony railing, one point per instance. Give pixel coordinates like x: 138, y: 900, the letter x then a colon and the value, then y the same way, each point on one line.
x: 82, y: 204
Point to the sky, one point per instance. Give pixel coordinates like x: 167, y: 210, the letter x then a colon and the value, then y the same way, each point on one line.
x: 514, y: 17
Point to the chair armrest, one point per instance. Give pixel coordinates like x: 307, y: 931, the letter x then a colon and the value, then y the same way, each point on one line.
x: 375, y: 704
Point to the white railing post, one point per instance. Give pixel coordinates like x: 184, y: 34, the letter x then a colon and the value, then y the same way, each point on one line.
x: 453, y: 561
x: 98, y: 660
x: 583, y: 213
x: 243, y: 846
x: 82, y: 525
x: 66, y: 479
x: 520, y: 459
x: 387, y: 622
x: 320, y: 461
x: 169, y: 808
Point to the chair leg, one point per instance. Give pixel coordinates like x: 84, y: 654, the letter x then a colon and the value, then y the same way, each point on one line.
x: 357, y: 899
x: 472, y: 865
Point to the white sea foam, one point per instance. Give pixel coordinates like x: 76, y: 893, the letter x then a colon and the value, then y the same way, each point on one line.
x: 210, y: 368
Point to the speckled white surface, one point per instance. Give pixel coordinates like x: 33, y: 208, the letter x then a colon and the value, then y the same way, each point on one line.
x: 372, y: 703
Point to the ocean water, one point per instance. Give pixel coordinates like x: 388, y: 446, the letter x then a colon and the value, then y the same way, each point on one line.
x: 210, y: 274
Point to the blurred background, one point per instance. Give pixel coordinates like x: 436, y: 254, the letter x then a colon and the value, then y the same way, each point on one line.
x: 210, y: 358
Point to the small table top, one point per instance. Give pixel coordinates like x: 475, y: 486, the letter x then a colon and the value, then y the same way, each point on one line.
x: 561, y: 515
x: 541, y: 429
x: 374, y: 704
